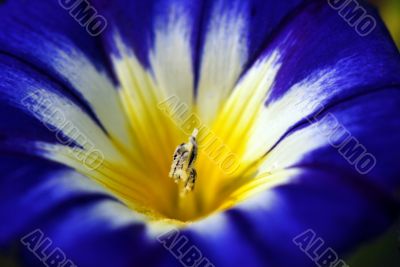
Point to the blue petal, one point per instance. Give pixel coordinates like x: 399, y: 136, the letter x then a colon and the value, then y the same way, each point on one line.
x: 136, y: 21
x: 84, y: 221
x: 17, y: 82
x: 325, y: 192
x: 319, y: 41
x: 41, y: 109
x: 322, y: 62
x: 262, y: 229
x: 47, y: 38
x: 33, y: 31
x: 206, y: 44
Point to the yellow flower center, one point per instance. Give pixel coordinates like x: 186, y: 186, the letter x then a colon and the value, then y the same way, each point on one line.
x: 225, y: 173
x: 225, y: 170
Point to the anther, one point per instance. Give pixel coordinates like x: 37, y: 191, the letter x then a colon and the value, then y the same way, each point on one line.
x: 182, y: 167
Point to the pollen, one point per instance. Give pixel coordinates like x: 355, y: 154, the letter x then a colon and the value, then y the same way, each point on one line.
x: 182, y: 167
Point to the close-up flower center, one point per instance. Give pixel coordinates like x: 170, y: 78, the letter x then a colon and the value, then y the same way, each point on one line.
x: 198, y: 133
x: 186, y: 165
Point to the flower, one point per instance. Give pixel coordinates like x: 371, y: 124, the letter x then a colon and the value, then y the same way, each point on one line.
x: 89, y: 126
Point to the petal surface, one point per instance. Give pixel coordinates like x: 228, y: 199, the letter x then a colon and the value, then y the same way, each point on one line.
x: 206, y: 44
x: 46, y: 36
x: 324, y: 191
x: 78, y: 216
x: 320, y: 60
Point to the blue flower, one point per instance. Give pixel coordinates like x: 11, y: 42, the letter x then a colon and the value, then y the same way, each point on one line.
x: 296, y: 104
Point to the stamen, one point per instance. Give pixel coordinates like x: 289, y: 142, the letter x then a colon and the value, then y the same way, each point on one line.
x: 182, y: 167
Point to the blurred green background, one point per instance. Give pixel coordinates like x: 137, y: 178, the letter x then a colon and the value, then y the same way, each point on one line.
x: 390, y: 12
